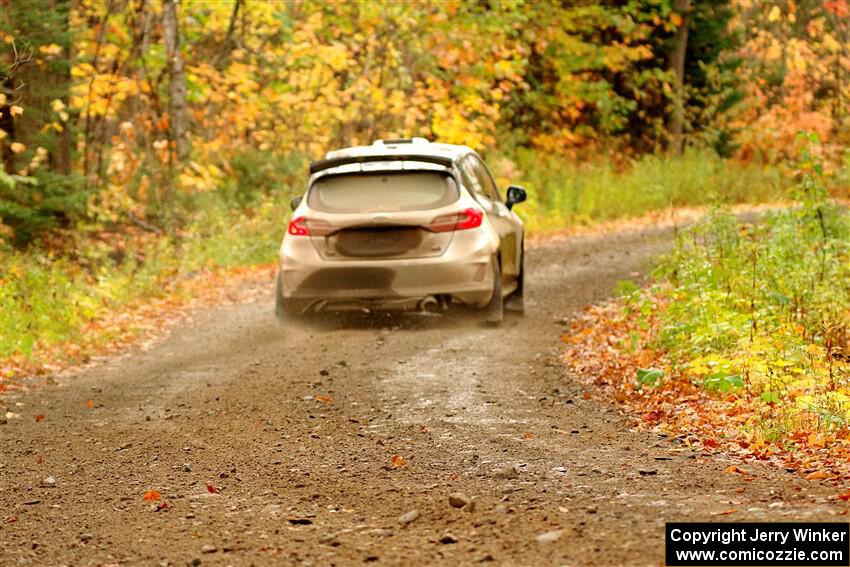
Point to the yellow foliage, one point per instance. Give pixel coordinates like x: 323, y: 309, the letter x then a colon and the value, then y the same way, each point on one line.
x: 775, y: 14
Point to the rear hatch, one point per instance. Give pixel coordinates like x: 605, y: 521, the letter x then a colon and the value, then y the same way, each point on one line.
x: 381, y: 215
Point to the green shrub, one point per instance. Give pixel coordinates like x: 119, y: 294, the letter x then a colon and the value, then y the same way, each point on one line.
x: 770, y: 303
x: 32, y: 205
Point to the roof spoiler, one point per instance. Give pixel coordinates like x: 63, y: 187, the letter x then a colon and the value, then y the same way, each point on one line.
x: 323, y: 164
x: 390, y: 141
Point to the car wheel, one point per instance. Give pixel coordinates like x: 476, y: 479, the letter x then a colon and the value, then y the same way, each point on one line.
x: 516, y: 301
x: 494, y: 310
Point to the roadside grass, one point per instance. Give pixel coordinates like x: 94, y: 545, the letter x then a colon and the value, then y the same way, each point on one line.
x: 743, y: 340
x: 61, y: 303
x: 564, y: 194
x: 80, y: 298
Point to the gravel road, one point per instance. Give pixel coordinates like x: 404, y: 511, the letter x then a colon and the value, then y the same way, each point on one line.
x: 276, y: 446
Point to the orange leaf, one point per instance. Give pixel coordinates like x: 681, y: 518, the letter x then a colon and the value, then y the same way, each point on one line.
x: 528, y: 435
x: 653, y: 416
x: 152, y: 495
x: 711, y: 443
x: 736, y: 470
x: 90, y: 404
x: 725, y: 512
x: 325, y: 399
x: 845, y: 496
x: 212, y: 489
x: 818, y: 475
x: 39, y: 460
x: 39, y: 417
x: 398, y: 461
x: 586, y: 395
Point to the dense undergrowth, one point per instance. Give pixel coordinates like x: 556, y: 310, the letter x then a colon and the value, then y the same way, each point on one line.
x: 49, y: 294
x: 744, y: 338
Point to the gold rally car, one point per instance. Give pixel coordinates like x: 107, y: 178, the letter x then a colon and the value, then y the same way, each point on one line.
x: 402, y: 224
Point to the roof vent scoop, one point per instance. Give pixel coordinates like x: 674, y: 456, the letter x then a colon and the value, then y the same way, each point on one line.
x: 389, y: 141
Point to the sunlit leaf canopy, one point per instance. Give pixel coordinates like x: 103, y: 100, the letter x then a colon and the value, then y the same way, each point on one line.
x: 92, y: 95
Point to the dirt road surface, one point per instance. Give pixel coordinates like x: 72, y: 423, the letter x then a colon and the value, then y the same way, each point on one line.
x: 274, y: 446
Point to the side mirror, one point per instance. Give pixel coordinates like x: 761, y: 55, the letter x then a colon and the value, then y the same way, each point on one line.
x: 516, y: 194
x: 295, y: 201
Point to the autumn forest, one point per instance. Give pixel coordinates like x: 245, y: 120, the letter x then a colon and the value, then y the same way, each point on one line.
x: 149, y: 150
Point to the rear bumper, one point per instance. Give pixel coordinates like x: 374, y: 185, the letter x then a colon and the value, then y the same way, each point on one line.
x: 462, y: 272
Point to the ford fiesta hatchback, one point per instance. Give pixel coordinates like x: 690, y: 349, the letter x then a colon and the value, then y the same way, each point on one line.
x: 402, y: 225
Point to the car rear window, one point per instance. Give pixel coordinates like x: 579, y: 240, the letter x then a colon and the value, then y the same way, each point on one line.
x: 383, y: 191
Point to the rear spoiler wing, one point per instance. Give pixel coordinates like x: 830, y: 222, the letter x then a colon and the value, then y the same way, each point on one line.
x: 323, y: 164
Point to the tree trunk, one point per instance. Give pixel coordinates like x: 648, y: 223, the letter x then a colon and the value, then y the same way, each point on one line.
x: 676, y: 123
x: 7, y: 124
x: 62, y: 157
x: 178, y: 122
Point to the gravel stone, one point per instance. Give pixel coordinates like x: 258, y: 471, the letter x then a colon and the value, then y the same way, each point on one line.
x: 408, y: 518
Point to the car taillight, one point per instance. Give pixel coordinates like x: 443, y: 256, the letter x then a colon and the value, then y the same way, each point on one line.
x: 302, y: 226
x: 298, y: 227
x: 467, y: 218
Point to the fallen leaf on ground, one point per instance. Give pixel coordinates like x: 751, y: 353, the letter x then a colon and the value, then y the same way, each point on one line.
x: 325, y: 399
x: 398, y: 461
x: 39, y: 417
x: 653, y: 417
x: 39, y: 460
x: 818, y: 475
x: 725, y: 512
x: 212, y: 489
x: 528, y: 435
x: 845, y: 497
x: 90, y: 404
x: 736, y: 470
x: 152, y: 495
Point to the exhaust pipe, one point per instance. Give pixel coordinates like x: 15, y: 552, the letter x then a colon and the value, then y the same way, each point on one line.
x: 428, y: 305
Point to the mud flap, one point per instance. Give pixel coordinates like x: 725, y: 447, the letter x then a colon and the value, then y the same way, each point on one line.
x: 494, y: 310
x: 279, y: 307
x: 516, y: 301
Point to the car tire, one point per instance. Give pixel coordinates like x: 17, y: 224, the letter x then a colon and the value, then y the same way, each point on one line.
x: 516, y: 300
x: 494, y: 310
